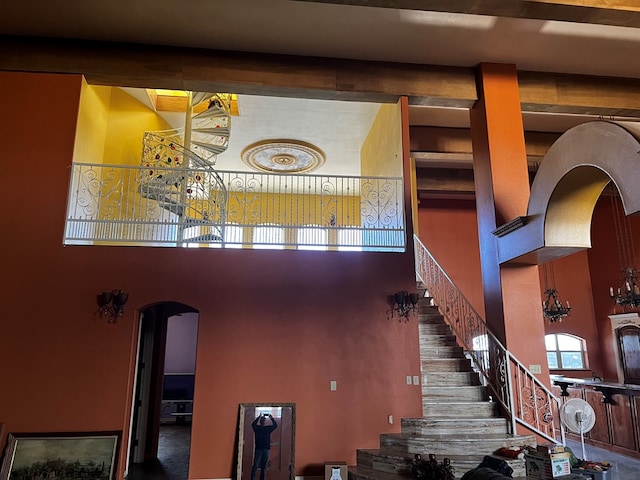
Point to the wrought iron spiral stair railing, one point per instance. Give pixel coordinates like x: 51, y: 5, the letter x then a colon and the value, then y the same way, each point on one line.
x: 178, y: 175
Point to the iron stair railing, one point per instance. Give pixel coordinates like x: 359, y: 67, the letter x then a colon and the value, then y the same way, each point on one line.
x: 524, y: 399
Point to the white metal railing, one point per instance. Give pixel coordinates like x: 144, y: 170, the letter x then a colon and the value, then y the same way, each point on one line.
x: 151, y: 205
x: 524, y: 399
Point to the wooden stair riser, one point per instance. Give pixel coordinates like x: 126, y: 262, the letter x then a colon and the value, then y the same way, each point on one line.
x: 440, y: 365
x: 435, y: 319
x: 458, y: 409
x: 450, y: 379
x: 461, y: 394
x: 434, y: 329
x: 401, y: 464
x: 441, y: 352
x: 437, y: 340
x: 394, y: 444
x: 472, y: 426
x: 384, y: 463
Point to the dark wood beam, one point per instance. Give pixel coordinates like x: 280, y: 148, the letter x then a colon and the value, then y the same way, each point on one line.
x: 153, y: 66
x: 150, y: 66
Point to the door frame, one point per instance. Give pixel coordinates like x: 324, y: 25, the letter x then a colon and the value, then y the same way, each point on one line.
x: 617, y: 322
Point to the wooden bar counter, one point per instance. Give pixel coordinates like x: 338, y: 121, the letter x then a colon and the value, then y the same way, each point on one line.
x: 616, y: 408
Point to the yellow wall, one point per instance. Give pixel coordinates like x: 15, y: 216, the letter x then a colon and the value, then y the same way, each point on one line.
x: 128, y: 120
x: 93, y: 116
x: 293, y: 209
x: 110, y: 126
x: 381, y: 153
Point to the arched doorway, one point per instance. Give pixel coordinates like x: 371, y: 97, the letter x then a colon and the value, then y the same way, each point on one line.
x: 160, y: 430
x: 629, y: 345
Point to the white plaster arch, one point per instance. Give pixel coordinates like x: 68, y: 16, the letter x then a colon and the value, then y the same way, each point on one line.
x: 567, y: 185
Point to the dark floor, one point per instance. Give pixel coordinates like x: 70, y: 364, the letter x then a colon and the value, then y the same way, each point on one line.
x: 173, y: 456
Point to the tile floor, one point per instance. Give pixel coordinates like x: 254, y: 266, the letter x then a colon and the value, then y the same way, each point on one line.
x: 174, y: 444
x: 623, y: 467
x: 173, y: 456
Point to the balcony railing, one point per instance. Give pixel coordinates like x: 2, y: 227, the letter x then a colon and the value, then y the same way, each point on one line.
x: 133, y: 205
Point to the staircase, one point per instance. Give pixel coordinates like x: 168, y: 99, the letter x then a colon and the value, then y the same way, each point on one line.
x: 180, y: 181
x: 459, y: 419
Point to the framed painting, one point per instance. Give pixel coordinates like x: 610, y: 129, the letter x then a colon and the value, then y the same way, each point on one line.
x: 80, y: 455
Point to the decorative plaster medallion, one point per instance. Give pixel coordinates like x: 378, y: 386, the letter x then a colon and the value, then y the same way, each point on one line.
x: 283, y: 156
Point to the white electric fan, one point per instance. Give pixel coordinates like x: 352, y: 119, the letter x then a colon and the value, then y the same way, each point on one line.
x: 579, y: 417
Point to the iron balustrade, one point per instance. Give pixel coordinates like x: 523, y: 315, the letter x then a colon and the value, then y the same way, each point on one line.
x: 524, y: 399
x: 195, y: 207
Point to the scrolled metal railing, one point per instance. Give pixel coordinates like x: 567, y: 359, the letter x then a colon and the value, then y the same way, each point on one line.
x: 195, y: 207
x: 523, y: 398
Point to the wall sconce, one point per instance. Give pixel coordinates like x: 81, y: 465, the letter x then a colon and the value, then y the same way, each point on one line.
x: 402, y: 303
x: 112, y: 305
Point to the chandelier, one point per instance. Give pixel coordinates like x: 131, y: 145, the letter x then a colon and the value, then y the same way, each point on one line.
x: 552, y: 307
x: 628, y: 293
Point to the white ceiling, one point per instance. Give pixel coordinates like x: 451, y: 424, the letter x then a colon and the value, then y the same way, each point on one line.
x: 337, y: 128
x: 339, y: 31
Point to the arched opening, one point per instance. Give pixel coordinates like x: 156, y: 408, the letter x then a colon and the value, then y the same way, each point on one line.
x: 567, y: 186
x: 160, y: 433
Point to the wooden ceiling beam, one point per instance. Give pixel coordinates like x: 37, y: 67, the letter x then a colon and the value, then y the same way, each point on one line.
x: 153, y: 66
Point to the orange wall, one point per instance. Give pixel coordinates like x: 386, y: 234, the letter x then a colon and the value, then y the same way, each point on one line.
x: 605, y: 272
x: 573, y: 283
x: 274, y: 326
x: 449, y: 230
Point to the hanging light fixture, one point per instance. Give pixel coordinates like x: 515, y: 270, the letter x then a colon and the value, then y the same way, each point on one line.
x: 552, y: 306
x: 628, y: 293
x: 402, y: 303
x: 111, y: 305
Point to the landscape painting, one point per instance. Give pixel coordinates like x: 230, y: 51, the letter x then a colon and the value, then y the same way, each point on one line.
x: 61, y: 456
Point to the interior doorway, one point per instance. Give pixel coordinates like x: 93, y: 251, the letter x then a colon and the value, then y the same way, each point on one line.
x: 629, y: 344
x: 160, y: 433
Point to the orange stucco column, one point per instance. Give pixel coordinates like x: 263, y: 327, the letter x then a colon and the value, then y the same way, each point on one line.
x: 511, y: 293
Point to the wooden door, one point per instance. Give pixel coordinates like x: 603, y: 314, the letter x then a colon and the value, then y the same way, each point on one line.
x: 629, y: 343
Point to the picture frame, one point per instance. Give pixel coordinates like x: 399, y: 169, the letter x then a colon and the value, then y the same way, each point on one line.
x: 62, y: 454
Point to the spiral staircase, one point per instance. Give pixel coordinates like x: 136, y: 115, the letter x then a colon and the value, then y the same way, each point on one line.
x: 178, y: 178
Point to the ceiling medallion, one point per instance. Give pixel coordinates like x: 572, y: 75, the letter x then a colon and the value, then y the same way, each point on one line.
x: 283, y: 156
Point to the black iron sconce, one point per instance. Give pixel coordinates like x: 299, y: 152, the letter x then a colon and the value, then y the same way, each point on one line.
x: 402, y: 303
x: 111, y: 305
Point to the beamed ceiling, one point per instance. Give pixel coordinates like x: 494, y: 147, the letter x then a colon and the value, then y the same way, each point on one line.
x: 576, y: 58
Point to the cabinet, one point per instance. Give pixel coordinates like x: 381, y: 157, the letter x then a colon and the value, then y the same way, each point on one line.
x: 176, y: 411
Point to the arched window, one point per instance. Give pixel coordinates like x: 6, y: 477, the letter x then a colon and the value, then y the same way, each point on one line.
x: 566, y: 351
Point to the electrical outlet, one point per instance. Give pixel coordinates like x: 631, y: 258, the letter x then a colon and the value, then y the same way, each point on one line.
x: 390, y: 419
x: 535, y: 368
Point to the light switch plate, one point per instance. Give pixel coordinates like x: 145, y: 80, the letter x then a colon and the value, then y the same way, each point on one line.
x: 334, y: 385
x: 535, y: 369
x: 416, y: 380
x: 408, y: 379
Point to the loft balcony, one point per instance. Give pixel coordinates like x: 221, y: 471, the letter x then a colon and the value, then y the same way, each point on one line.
x: 197, y: 208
